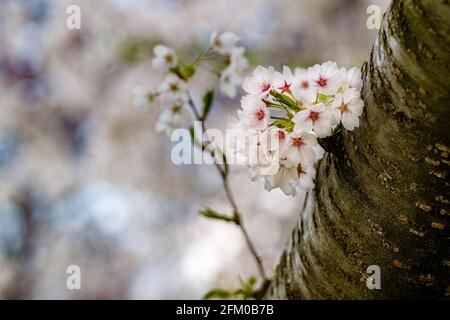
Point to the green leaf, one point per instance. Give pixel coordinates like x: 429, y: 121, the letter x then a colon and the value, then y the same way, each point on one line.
x: 208, y: 99
x: 247, y: 290
x: 323, y: 97
x: 210, y: 213
x: 187, y: 71
x: 285, y: 100
x: 285, y: 124
x: 217, y: 293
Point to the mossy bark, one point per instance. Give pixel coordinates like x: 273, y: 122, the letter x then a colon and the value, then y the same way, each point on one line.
x: 381, y: 195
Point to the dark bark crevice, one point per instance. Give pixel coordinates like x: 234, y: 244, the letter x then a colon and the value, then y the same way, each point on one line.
x: 381, y: 195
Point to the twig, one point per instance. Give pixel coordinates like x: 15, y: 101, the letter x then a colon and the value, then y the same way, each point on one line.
x: 236, y: 213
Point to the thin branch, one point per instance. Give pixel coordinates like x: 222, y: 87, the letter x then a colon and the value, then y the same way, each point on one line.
x: 236, y: 213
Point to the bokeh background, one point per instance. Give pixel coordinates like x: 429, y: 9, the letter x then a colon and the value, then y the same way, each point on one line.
x: 86, y: 180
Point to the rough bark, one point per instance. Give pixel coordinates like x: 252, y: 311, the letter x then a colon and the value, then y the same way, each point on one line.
x: 381, y: 195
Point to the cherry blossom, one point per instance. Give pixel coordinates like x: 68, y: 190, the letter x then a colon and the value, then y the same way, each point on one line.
x: 347, y: 108
x: 173, y: 88
x: 300, y: 148
x: 223, y: 43
x: 254, y: 113
x: 282, y: 114
x: 145, y: 97
x: 325, y: 78
x: 229, y: 80
x: 283, y: 82
x: 286, y: 179
x: 261, y: 81
x: 306, y: 176
x: 173, y: 116
x: 353, y: 79
x: 238, y: 61
x: 301, y: 87
x: 165, y: 58
x: 316, y: 118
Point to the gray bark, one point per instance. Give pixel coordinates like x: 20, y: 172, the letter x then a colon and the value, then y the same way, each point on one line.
x: 381, y: 195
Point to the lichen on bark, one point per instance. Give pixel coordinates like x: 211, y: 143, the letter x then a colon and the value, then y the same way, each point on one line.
x: 381, y: 195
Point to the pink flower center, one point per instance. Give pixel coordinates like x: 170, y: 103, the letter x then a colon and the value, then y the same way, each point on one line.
x: 313, y: 115
x: 260, y: 114
x: 322, y: 81
x: 281, y: 135
x: 298, y: 142
x: 304, y: 84
x: 286, y: 86
x: 265, y: 86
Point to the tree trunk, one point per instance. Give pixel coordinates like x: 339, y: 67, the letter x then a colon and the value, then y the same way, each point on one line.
x: 381, y: 195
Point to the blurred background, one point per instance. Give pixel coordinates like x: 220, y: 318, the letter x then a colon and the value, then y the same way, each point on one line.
x: 85, y: 179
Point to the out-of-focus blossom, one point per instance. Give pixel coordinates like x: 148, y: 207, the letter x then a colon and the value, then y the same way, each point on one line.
x: 175, y: 115
x: 165, y: 58
x: 223, y: 43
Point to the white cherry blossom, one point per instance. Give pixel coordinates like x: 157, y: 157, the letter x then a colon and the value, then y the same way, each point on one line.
x: 353, y: 79
x: 229, y: 80
x: 254, y: 113
x: 223, y: 43
x: 173, y: 116
x: 283, y: 81
x: 265, y: 155
x: 173, y: 88
x: 261, y: 81
x: 347, y: 108
x: 317, y: 118
x: 301, y: 87
x: 145, y: 98
x: 306, y: 176
x: 165, y: 58
x: 238, y: 61
x: 325, y: 78
x: 300, y: 148
x: 286, y: 179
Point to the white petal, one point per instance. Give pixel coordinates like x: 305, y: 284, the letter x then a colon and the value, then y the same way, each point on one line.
x: 349, y: 121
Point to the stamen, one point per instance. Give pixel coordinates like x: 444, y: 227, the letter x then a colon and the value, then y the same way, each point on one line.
x: 314, y: 115
x: 286, y: 86
x: 304, y: 85
x: 260, y: 114
x: 298, y: 142
x: 265, y: 86
x: 322, y: 81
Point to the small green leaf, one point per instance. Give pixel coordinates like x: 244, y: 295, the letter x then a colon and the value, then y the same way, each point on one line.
x: 210, y: 213
x: 285, y: 100
x: 252, y: 282
x: 208, y: 99
x: 187, y: 71
x: 323, y: 97
x: 285, y: 124
x: 247, y: 290
x: 217, y: 293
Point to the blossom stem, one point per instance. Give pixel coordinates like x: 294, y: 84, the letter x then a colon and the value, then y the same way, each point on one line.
x: 278, y: 118
x: 200, y: 56
x: 213, y: 71
x: 237, y: 219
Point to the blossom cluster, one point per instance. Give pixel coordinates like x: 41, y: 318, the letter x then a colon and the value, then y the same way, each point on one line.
x: 172, y: 95
x: 283, y: 115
